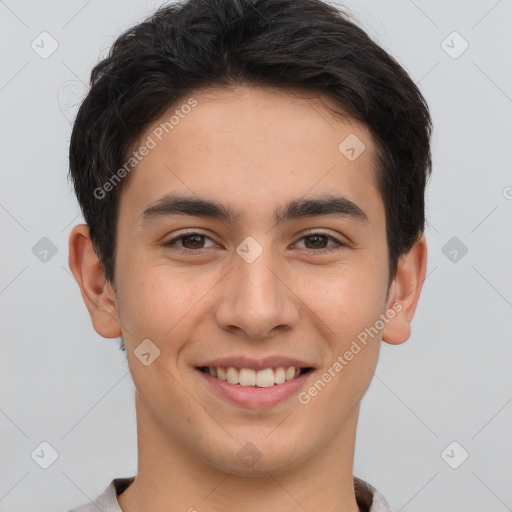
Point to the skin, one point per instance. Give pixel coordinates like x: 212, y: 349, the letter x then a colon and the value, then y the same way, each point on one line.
x: 254, y: 149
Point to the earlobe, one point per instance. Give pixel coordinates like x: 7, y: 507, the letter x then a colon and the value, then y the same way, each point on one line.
x: 98, y: 294
x: 405, y: 293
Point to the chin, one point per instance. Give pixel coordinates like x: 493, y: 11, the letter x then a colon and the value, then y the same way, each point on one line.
x: 256, y: 458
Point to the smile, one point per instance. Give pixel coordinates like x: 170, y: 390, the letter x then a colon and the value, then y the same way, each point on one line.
x: 248, y: 377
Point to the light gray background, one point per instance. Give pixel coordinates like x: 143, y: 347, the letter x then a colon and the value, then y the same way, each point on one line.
x: 65, y: 385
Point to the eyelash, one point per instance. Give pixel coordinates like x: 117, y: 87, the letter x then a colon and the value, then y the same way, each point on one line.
x: 340, y: 245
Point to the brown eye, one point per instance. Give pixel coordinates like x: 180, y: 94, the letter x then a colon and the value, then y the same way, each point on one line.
x: 193, y: 242
x: 317, y: 243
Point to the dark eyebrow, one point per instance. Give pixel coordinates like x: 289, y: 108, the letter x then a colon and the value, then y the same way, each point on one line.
x: 172, y: 204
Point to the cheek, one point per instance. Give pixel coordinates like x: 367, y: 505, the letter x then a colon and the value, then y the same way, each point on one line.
x: 165, y: 305
x: 354, y: 345
x: 155, y: 296
x: 159, y: 308
x: 347, y: 298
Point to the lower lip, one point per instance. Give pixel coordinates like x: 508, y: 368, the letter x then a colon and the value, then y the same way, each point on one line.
x: 253, y: 396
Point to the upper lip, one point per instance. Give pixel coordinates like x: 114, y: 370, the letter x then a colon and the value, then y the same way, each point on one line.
x: 256, y: 364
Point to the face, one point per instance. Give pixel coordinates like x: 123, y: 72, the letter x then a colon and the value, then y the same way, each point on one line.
x: 251, y: 282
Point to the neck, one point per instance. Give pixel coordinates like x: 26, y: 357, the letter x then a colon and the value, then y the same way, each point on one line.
x: 170, y: 478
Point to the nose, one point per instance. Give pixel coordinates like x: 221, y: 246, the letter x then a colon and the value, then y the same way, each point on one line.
x: 257, y: 299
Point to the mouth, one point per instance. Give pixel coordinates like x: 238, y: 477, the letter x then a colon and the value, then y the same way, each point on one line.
x: 248, y: 377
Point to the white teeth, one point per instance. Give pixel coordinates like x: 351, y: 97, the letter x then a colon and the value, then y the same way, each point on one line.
x: 290, y: 373
x: 232, y: 375
x: 265, y: 378
x: 246, y: 377
x: 279, y: 375
x: 249, y: 377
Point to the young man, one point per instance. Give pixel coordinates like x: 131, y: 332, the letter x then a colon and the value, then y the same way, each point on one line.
x: 252, y: 175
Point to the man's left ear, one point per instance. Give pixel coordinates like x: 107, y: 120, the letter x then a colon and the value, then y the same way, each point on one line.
x: 405, y: 293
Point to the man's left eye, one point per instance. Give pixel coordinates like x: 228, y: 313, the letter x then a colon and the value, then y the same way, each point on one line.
x: 319, y: 240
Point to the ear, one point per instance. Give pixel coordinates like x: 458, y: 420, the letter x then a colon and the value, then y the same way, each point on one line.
x: 99, y: 296
x: 405, y: 292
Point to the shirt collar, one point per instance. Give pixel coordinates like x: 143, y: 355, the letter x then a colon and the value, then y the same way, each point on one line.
x: 368, y: 498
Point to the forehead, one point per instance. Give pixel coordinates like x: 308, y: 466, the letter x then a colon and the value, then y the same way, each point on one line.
x: 250, y: 145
